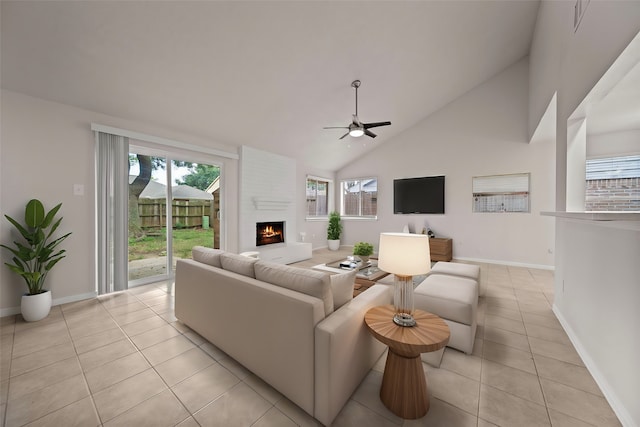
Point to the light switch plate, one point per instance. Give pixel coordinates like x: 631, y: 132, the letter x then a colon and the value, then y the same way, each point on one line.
x: 78, y: 189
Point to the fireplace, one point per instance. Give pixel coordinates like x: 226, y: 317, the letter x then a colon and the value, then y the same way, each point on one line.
x: 268, y: 233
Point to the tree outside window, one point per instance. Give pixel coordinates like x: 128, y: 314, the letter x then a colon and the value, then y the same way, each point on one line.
x: 360, y: 197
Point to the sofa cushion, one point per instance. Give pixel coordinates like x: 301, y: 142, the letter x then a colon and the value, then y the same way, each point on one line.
x: 310, y: 282
x: 342, y: 288
x: 207, y: 255
x: 238, y: 264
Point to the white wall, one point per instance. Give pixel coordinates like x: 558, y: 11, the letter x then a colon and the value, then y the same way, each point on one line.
x: 572, y: 62
x: 597, y: 298
x: 622, y: 143
x: 48, y: 147
x: 484, y: 132
x: 585, y: 250
x: 552, y: 33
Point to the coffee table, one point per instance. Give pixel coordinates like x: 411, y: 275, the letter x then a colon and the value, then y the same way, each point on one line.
x: 366, y: 276
x: 404, y: 385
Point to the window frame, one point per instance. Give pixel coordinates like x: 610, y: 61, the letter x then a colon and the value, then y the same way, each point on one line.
x: 330, y: 197
x: 360, y: 216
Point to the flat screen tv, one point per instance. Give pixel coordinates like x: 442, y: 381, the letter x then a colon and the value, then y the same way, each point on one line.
x: 423, y: 195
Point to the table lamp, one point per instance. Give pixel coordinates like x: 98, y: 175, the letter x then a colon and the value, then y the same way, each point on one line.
x: 404, y: 255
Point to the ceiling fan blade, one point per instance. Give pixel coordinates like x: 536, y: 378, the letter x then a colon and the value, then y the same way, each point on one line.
x: 375, y: 124
x: 336, y: 127
x: 342, y: 137
x: 356, y: 120
x: 369, y: 133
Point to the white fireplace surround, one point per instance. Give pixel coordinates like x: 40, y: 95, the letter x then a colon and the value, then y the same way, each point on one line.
x: 271, y: 203
x: 267, y: 181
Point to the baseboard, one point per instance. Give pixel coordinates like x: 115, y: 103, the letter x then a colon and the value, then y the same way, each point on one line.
x: 74, y: 298
x: 10, y: 311
x: 509, y: 263
x: 621, y: 412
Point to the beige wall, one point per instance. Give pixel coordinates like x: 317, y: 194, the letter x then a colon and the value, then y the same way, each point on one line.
x: 46, y: 149
x: 484, y: 132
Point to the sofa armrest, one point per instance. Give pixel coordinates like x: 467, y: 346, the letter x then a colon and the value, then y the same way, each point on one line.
x: 345, y: 352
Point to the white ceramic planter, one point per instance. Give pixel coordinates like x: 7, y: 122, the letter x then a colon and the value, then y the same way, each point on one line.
x: 36, y: 307
x: 334, y: 245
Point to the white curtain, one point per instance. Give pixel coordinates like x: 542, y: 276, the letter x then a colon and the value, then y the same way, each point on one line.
x: 112, y: 178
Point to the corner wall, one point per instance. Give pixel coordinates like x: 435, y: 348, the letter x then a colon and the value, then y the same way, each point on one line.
x: 484, y: 132
x: 588, y: 249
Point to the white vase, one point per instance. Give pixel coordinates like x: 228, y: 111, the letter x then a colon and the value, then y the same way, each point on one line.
x: 334, y: 245
x: 36, y: 307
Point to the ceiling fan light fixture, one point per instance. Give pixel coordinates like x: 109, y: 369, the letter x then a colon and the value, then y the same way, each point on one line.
x: 356, y: 132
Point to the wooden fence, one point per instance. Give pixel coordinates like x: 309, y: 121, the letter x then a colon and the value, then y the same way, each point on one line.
x: 185, y: 213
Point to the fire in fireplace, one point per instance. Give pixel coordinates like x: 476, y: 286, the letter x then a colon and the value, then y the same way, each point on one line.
x: 268, y: 233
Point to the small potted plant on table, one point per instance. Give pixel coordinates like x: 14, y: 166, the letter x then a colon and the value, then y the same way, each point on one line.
x: 364, y: 250
x: 35, y: 257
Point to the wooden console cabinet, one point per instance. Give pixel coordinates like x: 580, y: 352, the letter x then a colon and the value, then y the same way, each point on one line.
x: 441, y: 249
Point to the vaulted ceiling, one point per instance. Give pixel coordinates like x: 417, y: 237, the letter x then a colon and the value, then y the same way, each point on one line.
x: 266, y: 74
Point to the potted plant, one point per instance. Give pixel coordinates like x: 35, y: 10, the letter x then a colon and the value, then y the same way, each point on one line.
x: 364, y: 250
x: 333, y: 231
x: 35, y: 256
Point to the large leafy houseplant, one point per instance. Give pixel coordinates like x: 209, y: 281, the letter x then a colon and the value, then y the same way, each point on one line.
x: 37, y: 254
x: 335, y: 227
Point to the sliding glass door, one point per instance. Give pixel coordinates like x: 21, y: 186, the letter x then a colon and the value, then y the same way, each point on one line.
x: 173, y: 206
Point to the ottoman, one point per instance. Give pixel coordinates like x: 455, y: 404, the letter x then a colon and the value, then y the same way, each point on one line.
x: 454, y: 299
x: 468, y: 271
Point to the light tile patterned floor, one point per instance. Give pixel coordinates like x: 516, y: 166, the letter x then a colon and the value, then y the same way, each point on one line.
x: 124, y: 360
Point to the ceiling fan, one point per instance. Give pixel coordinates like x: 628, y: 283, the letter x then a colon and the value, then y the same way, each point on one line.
x: 356, y: 127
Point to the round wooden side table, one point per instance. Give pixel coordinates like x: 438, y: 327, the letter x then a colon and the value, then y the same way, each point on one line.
x: 404, y: 384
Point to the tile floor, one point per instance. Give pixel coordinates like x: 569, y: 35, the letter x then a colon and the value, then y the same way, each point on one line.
x: 124, y: 360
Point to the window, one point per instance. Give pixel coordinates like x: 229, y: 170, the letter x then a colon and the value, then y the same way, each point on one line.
x: 359, y: 198
x: 318, y: 196
x: 613, y: 184
x: 501, y: 193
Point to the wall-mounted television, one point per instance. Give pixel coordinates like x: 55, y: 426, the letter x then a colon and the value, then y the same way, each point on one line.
x: 424, y: 195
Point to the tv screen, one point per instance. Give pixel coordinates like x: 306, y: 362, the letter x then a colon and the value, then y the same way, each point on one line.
x: 423, y: 195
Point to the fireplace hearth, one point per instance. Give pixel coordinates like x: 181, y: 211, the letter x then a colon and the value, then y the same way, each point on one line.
x: 268, y: 233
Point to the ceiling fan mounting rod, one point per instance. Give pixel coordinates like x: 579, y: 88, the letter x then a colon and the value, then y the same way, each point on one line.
x: 356, y: 84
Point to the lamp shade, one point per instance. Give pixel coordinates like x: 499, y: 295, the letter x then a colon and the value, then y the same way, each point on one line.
x: 404, y: 254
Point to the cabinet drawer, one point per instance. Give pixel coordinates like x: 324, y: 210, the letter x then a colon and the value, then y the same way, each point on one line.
x: 441, y: 249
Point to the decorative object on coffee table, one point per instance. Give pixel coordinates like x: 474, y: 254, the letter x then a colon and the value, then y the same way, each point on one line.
x: 404, y: 255
x: 404, y: 386
x: 364, y: 250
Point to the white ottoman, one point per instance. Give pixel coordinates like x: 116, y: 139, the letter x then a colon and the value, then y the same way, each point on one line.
x: 454, y: 299
x: 468, y: 271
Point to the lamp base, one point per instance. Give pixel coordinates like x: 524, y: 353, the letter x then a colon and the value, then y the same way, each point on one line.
x: 404, y: 319
x: 403, y: 301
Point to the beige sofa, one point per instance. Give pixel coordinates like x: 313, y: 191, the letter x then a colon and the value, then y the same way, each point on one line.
x: 297, y: 329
